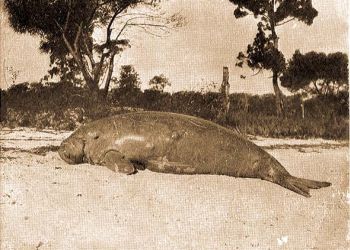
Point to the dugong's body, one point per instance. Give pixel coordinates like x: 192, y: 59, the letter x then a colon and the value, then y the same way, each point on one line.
x: 175, y: 143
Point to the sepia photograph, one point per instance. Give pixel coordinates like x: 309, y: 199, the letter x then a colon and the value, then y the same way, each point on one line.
x: 174, y: 124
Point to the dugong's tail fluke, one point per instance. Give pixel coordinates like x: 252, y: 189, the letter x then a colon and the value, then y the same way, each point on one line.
x: 302, y: 186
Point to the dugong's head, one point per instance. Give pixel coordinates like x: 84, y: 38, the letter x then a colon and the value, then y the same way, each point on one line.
x: 72, y: 150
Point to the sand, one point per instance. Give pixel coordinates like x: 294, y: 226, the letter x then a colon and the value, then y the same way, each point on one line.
x: 48, y: 204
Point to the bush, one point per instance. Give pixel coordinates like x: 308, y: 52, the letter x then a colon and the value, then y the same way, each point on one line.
x: 64, y: 106
x: 156, y: 100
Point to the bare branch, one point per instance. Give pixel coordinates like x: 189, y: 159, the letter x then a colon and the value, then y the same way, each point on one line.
x: 259, y: 71
x: 150, y: 25
x: 108, y: 40
x: 109, y: 27
x: 59, y: 26
x: 77, y: 36
x: 148, y: 31
x: 70, y: 48
x: 77, y: 58
x: 124, y: 26
x: 129, y: 22
x: 146, y: 27
x: 121, y: 31
x: 88, y: 51
x: 74, y: 52
x: 67, y: 17
x: 143, y: 15
x: 289, y: 20
x: 87, y: 62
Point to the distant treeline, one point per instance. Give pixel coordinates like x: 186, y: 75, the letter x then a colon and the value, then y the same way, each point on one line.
x: 64, y: 106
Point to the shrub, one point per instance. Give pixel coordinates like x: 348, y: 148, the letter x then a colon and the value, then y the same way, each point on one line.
x: 65, y: 106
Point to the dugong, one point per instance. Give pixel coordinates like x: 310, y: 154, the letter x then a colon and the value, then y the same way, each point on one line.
x: 175, y: 143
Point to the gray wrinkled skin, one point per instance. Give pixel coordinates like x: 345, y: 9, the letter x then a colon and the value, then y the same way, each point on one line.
x: 175, y: 143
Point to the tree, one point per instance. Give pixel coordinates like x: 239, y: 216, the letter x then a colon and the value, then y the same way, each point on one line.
x: 317, y: 73
x: 158, y: 83
x: 67, y: 28
x: 129, y: 79
x: 128, y: 92
x: 263, y: 53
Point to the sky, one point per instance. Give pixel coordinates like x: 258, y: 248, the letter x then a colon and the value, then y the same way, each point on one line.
x: 194, y: 55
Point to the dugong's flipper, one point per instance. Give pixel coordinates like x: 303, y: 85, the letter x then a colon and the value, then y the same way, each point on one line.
x: 303, y: 186
x: 117, y: 162
x: 161, y: 164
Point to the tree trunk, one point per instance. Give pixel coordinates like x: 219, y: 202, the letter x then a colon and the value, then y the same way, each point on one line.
x: 225, y: 91
x: 109, y: 77
x: 278, y: 94
x: 225, y: 98
x: 92, y: 85
x: 94, y: 90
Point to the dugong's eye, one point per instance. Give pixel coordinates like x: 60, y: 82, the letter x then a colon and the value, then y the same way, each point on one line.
x: 93, y: 135
x: 175, y: 135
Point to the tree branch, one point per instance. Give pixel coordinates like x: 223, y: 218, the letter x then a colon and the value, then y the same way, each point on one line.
x: 77, y: 36
x: 75, y: 54
x: 149, y: 32
x: 109, y: 27
x: 95, y: 9
x: 109, y: 75
x: 69, y: 46
x: 149, y: 25
x: 128, y: 23
x: 289, y: 20
x: 143, y: 15
x: 88, y: 52
x: 260, y: 70
x: 67, y: 17
x: 108, y: 40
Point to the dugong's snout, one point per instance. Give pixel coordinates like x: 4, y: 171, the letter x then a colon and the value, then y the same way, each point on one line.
x: 72, y: 151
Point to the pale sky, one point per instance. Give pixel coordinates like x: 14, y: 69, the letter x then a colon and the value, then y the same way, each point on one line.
x: 195, y: 54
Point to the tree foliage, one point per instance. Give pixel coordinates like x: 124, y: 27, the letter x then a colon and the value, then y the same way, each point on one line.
x: 159, y: 82
x: 128, y: 90
x: 317, y: 73
x: 128, y: 78
x: 301, y: 10
x: 67, y: 28
x: 264, y: 53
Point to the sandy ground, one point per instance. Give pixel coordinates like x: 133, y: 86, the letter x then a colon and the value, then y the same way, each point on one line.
x: 47, y: 204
